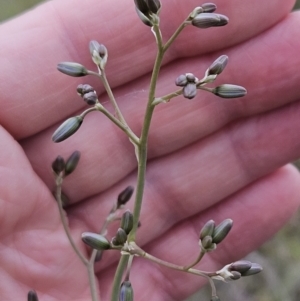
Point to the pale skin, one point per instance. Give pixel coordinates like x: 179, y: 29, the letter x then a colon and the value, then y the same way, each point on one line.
x: 210, y: 158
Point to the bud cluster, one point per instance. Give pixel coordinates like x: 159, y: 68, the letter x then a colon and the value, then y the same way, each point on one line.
x: 125, y: 227
x: 211, y: 235
x: 189, y: 83
x: 88, y: 94
x: 64, y: 168
x: 238, y: 269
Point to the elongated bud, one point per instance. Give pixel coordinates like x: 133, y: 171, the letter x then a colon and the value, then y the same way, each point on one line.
x: 206, y: 20
x: 241, y: 266
x: 127, y: 221
x: 230, y: 91
x: 222, y: 230
x: 190, y: 91
x: 120, y: 238
x: 72, y: 69
x: 99, y: 54
x: 207, y: 229
x: 95, y: 241
x: 208, y: 7
x: 58, y: 165
x: 255, y: 269
x: 67, y: 129
x: 125, y: 196
x: 72, y: 162
x: 126, y: 292
x: 218, y: 65
x: 32, y: 296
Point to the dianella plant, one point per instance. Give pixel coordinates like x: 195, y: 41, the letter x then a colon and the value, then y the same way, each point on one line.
x: 186, y: 85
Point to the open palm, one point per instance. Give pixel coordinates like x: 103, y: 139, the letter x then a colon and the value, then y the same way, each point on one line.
x: 209, y: 158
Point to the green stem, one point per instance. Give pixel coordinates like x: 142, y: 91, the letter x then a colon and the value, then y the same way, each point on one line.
x: 85, y: 261
x: 118, y: 123
x: 175, y: 35
x: 112, y: 97
x: 200, y: 256
x: 167, y: 97
x: 62, y: 214
x: 142, y: 148
x: 92, y: 282
x: 118, y: 277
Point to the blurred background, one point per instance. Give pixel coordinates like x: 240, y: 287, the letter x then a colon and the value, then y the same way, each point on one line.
x: 280, y: 257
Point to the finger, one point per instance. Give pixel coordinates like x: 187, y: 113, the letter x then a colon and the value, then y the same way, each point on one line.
x: 257, y: 211
x: 49, y: 35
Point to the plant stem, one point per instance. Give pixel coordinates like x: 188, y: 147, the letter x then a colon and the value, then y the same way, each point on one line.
x: 118, y: 123
x: 142, y: 148
x: 111, y: 97
x: 200, y: 256
x: 59, y: 181
x: 175, y: 35
x: 167, y: 97
x: 118, y: 277
x: 89, y: 265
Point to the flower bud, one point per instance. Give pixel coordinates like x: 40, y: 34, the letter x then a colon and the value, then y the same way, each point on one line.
x: 230, y: 91
x: 190, y: 90
x: 99, y: 54
x: 127, y: 221
x: 72, y: 69
x: 126, y: 292
x: 206, y: 242
x: 235, y: 275
x: 206, y: 20
x: 181, y: 80
x: 67, y: 129
x: 83, y: 89
x: 207, y: 229
x: 32, y: 296
x: 58, y: 165
x: 120, y: 238
x: 218, y: 65
x: 255, y: 269
x: 124, y: 196
x: 208, y: 7
x: 90, y: 98
x: 222, y: 230
x: 95, y: 241
x: 241, y: 266
x: 72, y: 162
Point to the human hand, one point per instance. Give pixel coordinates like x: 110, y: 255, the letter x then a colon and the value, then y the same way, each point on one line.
x: 210, y: 158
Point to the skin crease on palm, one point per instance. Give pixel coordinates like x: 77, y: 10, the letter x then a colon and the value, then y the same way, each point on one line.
x: 209, y: 158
